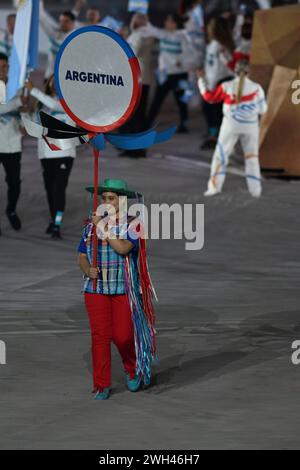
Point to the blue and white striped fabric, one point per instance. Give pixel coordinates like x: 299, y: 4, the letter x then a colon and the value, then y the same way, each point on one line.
x: 25, y: 46
x: 5, y: 42
x: 171, y: 46
x: 34, y: 36
x: 111, y: 23
x: 139, y: 6
x: 198, y: 17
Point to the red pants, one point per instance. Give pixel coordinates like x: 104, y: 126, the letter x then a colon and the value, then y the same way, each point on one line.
x: 110, y: 321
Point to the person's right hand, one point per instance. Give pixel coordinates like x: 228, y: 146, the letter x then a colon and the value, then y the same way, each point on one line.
x: 79, y: 4
x: 28, y: 85
x: 93, y: 273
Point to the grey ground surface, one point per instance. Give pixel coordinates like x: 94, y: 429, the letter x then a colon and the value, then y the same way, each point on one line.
x: 227, y: 317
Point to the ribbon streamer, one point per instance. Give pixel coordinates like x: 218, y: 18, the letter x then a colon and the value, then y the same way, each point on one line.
x: 52, y: 128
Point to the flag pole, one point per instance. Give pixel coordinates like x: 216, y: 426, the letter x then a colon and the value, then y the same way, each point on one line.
x: 96, y: 155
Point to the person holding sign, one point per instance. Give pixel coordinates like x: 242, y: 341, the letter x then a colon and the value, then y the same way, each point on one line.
x: 98, y: 82
x: 109, y: 308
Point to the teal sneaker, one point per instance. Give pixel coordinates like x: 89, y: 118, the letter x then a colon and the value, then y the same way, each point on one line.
x: 134, y: 384
x: 147, y: 381
x: 102, y: 394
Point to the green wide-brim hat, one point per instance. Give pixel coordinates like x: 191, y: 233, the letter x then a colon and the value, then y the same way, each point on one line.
x: 115, y: 186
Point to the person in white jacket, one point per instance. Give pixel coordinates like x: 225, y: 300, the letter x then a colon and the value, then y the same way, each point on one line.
x: 143, y: 49
x: 175, y: 54
x: 56, y: 32
x: 56, y: 165
x: 11, y: 146
x: 92, y: 17
x: 243, y: 104
x: 6, y: 35
x: 219, y: 52
x: 193, y: 13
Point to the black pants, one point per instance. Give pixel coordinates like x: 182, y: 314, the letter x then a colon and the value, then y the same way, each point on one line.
x: 138, y: 122
x: 56, y: 172
x: 213, y: 114
x: 12, y: 167
x: 162, y: 91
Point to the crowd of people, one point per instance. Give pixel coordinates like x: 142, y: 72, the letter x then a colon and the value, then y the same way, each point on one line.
x: 190, y: 46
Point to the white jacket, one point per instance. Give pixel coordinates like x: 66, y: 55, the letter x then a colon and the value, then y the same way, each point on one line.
x: 143, y: 49
x: 10, y: 126
x: 242, y: 116
x: 6, y: 42
x: 195, y: 26
x: 54, y: 108
x: 216, y: 68
x: 55, y: 35
x: 176, y: 52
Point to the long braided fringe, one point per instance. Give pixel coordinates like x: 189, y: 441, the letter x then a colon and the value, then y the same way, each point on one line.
x: 140, y: 293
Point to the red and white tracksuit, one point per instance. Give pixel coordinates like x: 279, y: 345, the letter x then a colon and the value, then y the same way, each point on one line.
x: 240, y: 123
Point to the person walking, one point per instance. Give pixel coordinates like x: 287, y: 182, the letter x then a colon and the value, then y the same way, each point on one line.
x: 11, y: 134
x: 118, y: 291
x: 56, y: 164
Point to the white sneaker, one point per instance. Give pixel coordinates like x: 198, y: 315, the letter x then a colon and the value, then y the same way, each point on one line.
x: 211, y: 192
x: 256, y: 194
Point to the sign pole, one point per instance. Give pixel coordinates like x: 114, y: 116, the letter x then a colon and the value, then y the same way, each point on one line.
x: 96, y: 154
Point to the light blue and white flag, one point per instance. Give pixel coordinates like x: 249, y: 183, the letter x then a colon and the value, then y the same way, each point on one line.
x: 34, y: 36
x: 24, y: 55
x: 198, y: 17
x: 112, y: 23
x: 138, y: 6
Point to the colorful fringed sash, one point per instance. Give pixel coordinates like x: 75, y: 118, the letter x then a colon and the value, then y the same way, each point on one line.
x: 140, y: 293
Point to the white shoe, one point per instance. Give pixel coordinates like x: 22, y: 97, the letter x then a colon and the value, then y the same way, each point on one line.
x: 256, y: 194
x: 211, y: 192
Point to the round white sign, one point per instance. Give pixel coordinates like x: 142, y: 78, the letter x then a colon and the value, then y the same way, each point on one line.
x: 97, y: 78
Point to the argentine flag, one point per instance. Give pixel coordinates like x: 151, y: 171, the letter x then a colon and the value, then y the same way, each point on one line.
x: 111, y: 23
x: 138, y: 6
x: 24, y: 55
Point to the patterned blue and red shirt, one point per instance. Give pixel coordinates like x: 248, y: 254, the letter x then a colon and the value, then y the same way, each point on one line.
x: 111, y: 279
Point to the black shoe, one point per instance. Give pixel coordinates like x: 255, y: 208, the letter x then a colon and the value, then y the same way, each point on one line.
x: 14, y: 220
x: 125, y: 153
x: 142, y: 153
x: 209, y: 144
x: 182, y: 129
x: 56, y: 233
x: 49, y: 229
